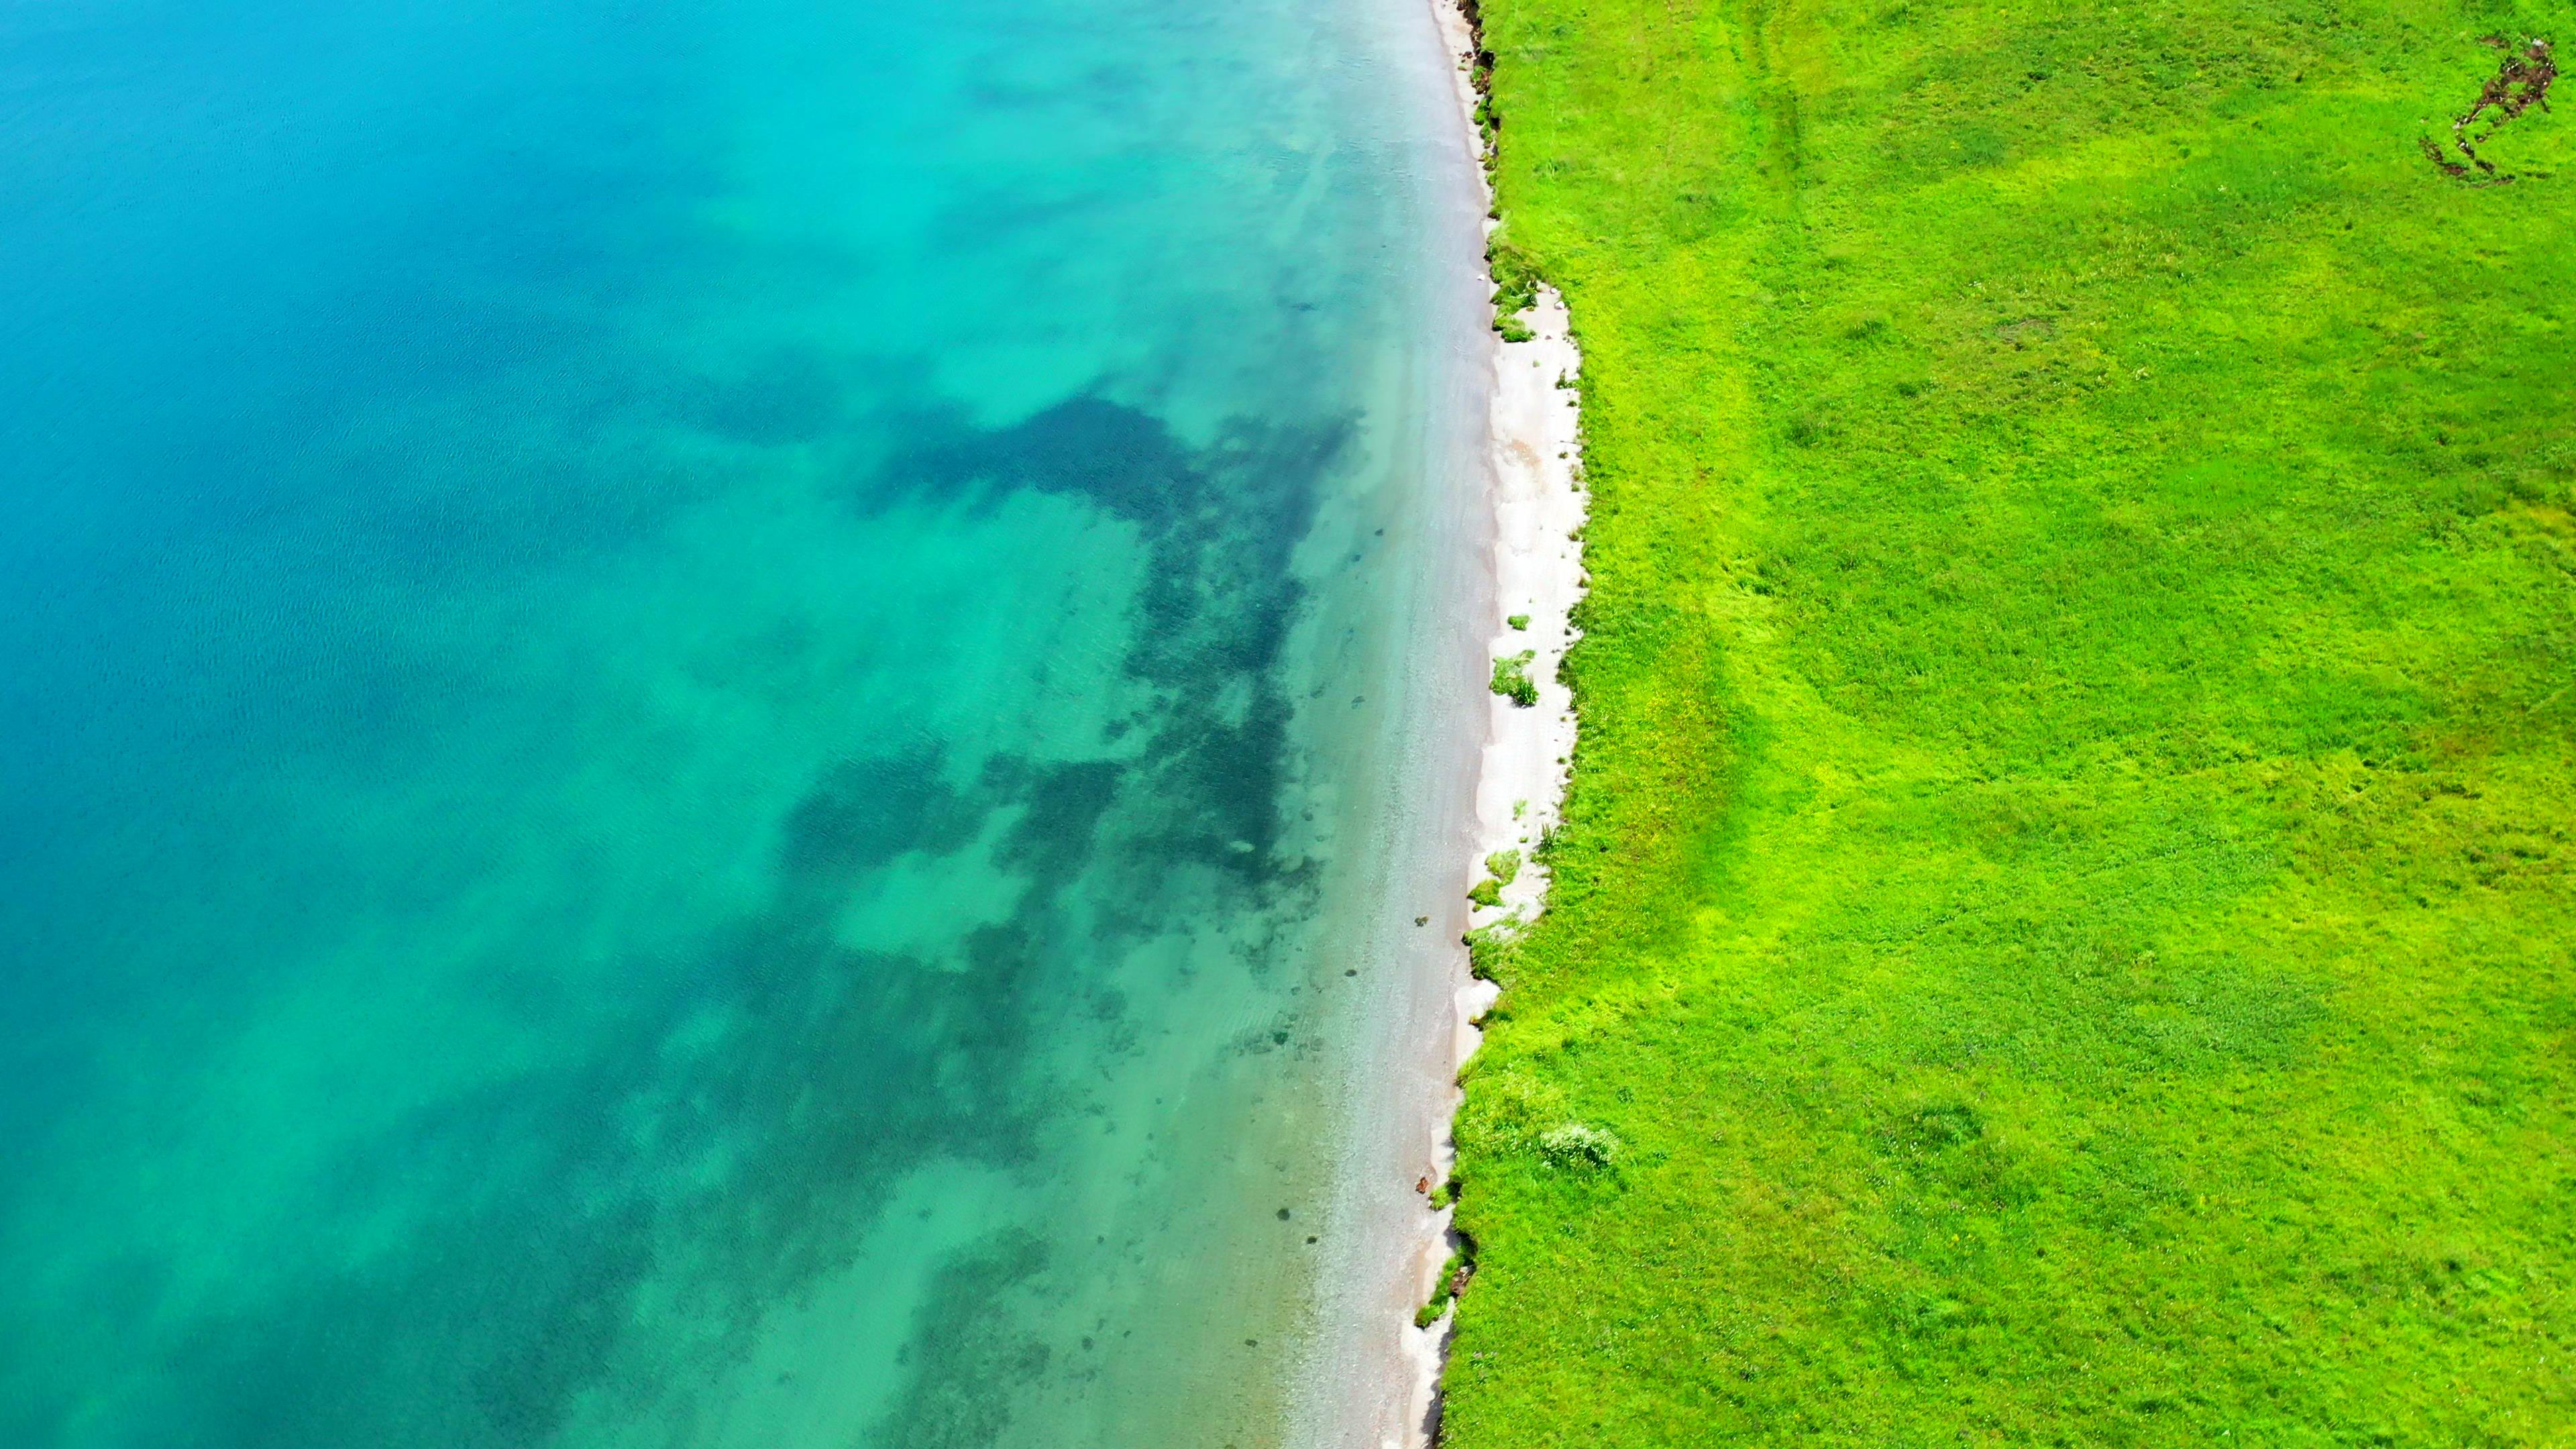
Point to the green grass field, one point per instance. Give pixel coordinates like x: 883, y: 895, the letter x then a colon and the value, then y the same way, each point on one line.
x: 2066, y: 915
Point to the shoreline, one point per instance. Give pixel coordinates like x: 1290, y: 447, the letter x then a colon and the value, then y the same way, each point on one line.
x: 1533, y: 480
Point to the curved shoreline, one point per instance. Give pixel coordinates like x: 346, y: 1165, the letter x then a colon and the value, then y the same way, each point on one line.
x: 1534, y: 474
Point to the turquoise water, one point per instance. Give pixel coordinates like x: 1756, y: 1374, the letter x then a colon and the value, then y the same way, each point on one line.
x: 705, y: 708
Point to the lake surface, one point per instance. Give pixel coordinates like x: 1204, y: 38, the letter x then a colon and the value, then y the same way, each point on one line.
x: 715, y: 717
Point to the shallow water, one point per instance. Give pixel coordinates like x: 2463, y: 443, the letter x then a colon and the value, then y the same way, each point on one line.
x: 702, y: 707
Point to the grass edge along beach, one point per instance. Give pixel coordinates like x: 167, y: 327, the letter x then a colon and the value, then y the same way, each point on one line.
x: 2060, y: 932
x: 1529, y: 477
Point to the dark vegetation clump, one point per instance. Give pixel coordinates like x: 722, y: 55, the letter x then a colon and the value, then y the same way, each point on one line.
x: 1515, y: 280
x: 1453, y: 1281
x: 1489, y: 120
x: 2521, y: 82
x: 1515, y: 283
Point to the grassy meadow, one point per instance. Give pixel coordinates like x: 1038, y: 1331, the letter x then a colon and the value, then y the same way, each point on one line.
x: 2064, y: 933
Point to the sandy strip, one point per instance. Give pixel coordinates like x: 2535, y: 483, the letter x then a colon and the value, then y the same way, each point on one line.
x: 1539, y: 507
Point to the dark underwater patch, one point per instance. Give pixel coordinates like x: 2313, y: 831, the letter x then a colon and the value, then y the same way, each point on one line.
x: 1222, y: 523
x: 865, y: 812
x: 965, y: 1356
x: 837, y: 1071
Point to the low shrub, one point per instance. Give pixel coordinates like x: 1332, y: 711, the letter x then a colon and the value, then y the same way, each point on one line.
x: 1489, y: 947
x: 1453, y: 1276
x: 1577, y: 1146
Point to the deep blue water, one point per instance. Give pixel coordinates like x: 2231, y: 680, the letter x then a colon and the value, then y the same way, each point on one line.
x: 698, y: 705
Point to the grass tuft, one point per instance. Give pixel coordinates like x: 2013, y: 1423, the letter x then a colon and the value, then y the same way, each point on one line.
x: 1576, y: 1146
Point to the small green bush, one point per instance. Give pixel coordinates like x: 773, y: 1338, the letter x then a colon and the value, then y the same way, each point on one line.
x: 1512, y: 681
x: 1453, y: 1275
x: 1503, y: 867
x: 1576, y: 1146
x: 1515, y: 278
x: 1489, y: 947
x: 1518, y: 621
